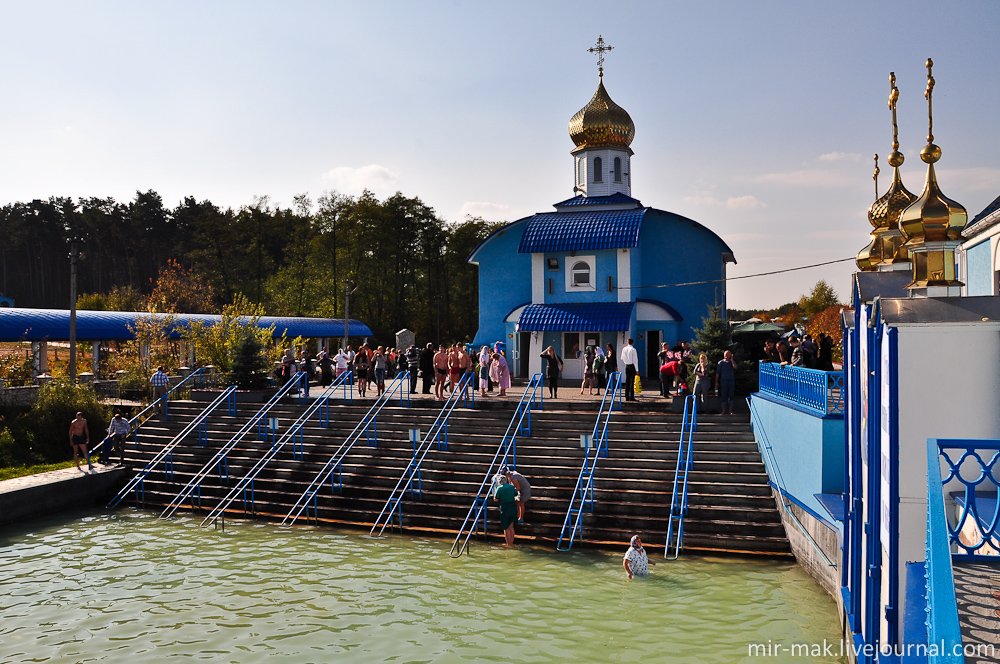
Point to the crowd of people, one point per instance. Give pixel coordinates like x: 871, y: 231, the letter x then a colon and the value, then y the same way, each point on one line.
x: 800, y: 351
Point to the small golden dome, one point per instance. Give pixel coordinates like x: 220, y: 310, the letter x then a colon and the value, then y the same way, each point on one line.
x: 601, y: 123
x: 884, y: 213
x: 933, y: 217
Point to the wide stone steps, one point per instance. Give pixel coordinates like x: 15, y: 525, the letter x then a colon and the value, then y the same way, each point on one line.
x: 730, y: 504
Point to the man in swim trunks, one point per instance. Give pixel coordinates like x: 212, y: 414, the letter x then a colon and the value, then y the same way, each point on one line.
x: 506, y: 495
x: 78, y: 437
x: 440, y: 372
x: 455, y: 369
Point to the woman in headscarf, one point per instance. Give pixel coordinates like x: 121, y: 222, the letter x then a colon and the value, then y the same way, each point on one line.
x: 506, y: 495
x: 484, y: 370
x: 636, y: 562
x: 500, y: 373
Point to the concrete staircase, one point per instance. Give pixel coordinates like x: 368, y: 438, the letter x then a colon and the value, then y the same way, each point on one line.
x: 730, y: 501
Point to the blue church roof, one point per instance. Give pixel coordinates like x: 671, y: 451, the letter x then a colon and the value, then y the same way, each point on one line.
x: 989, y: 209
x: 582, y: 231
x: 617, y: 198
x: 53, y: 325
x: 591, y: 316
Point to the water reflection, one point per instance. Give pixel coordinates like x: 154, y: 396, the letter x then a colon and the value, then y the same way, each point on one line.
x: 128, y: 587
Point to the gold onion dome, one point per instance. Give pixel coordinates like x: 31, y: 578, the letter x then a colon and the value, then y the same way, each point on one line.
x: 932, y: 218
x: 601, y: 124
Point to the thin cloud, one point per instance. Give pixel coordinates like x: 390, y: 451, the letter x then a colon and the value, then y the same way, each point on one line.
x: 970, y: 179
x: 809, y: 177
x: 731, y: 203
x: 487, y: 210
x: 355, y: 180
x: 840, y: 156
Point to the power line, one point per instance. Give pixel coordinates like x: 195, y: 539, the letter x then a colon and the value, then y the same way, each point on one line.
x: 745, y: 276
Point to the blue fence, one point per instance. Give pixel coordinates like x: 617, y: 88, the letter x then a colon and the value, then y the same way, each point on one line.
x: 942, y: 606
x: 821, y: 392
x: 975, y: 464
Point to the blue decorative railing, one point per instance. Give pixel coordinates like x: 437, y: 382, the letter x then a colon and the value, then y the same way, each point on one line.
x: 506, y: 454
x: 583, y: 494
x: 293, y: 435
x: 976, y: 465
x: 942, y: 605
x: 685, y: 459
x: 819, y: 391
x: 166, y: 455
x: 369, y: 427
x: 219, y: 461
x: 147, y: 412
x: 411, y: 480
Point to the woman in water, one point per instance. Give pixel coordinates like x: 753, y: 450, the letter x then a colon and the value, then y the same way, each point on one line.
x: 636, y: 562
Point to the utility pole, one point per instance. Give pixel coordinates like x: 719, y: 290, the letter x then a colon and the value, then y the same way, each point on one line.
x: 74, y: 256
x: 348, y: 291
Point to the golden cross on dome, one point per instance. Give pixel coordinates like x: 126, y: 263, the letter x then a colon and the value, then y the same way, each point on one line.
x: 893, y: 98
x: 927, y: 96
x: 875, y: 176
x: 600, y: 48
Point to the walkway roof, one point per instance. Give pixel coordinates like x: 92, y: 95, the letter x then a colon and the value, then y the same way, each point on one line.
x: 53, y: 325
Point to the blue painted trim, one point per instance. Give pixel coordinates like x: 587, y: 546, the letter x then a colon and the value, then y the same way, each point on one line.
x: 808, y: 510
x: 794, y: 406
x: 942, y: 605
x: 833, y: 503
x: 894, y: 581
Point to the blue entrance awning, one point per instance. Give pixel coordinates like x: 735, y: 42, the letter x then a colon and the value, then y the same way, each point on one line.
x: 587, y: 317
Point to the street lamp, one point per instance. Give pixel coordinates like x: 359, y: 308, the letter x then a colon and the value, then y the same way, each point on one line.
x: 75, y: 255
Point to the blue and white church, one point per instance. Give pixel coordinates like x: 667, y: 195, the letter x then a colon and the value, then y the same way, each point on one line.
x: 602, y: 267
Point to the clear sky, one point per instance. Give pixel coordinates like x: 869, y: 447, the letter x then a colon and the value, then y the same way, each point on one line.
x: 757, y: 119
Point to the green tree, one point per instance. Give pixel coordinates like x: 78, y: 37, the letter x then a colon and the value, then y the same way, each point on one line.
x: 249, y: 366
x: 821, y: 297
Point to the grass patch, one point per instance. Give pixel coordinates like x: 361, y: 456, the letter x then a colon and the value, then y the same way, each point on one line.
x: 21, y: 471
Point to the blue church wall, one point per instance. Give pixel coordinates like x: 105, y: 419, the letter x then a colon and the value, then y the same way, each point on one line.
x: 606, y: 266
x: 978, y: 269
x: 808, y: 450
x: 675, y: 249
x: 504, y: 280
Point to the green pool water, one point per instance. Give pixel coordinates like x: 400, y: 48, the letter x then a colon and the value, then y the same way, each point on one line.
x: 126, y: 586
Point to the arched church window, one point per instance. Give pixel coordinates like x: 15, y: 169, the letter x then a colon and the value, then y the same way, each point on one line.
x: 598, y: 170
x: 618, y: 169
x: 581, y: 171
x: 581, y: 274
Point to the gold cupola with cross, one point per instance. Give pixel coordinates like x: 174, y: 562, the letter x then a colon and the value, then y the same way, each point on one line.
x: 602, y: 132
x: 932, y: 225
x: 885, y: 251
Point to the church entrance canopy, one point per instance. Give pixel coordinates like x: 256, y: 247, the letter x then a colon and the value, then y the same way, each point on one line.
x: 591, y: 316
x: 53, y: 325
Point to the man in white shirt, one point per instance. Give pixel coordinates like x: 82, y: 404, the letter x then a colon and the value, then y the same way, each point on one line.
x: 630, y: 360
x: 341, y: 359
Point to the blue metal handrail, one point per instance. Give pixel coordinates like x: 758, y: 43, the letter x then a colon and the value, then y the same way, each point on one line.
x: 982, y: 529
x: 393, y: 506
x: 583, y: 492
x: 506, y: 454
x: 293, y: 435
x: 369, y: 426
x: 139, y: 420
x: 685, y: 459
x: 818, y: 391
x: 774, y: 473
x: 138, y: 482
x: 220, y: 459
x: 942, y: 605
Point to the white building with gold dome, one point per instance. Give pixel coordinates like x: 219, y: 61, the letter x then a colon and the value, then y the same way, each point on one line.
x: 600, y: 268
